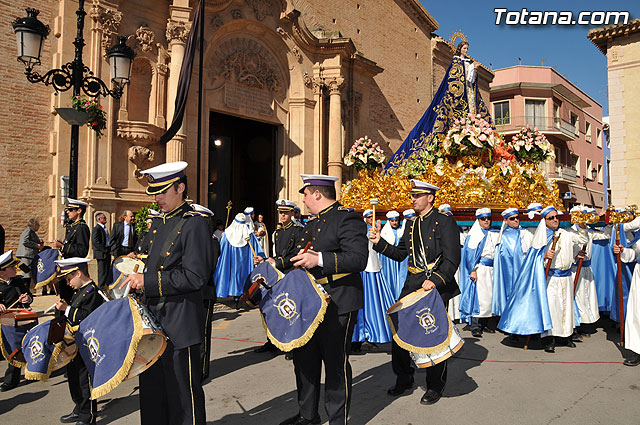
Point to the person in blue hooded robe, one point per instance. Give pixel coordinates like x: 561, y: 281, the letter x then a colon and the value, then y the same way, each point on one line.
x: 476, y: 274
x: 372, y: 325
x: 395, y: 273
x: 456, y: 97
x: 513, y: 244
x: 236, y: 258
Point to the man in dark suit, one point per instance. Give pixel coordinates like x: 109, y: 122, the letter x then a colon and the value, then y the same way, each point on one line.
x: 337, y: 254
x: 100, y: 242
x: 123, y: 235
x: 179, y: 265
x: 432, y: 243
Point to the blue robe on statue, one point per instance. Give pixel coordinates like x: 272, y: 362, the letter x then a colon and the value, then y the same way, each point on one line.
x: 448, y: 104
x: 527, y: 311
x: 506, y: 265
x: 372, y: 322
x: 234, y: 265
x: 394, y: 272
x: 469, y: 305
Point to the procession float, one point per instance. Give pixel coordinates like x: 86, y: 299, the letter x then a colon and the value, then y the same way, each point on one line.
x: 456, y: 147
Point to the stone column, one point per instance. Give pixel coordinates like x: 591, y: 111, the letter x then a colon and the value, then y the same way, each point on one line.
x: 177, y: 33
x: 334, y: 165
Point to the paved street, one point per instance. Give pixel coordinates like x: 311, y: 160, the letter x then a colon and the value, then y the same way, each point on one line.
x: 489, y: 383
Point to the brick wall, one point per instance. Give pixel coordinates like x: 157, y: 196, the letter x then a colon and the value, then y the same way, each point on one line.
x: 25, y: 118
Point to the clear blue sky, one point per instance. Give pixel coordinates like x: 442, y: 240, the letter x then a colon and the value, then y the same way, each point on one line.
x: 565, y: 47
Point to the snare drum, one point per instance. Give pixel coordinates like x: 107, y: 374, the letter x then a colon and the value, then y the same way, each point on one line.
x: 118, y: 341
x: 43, y: 357
x: 125, y: 266
x: 151, y: 345
x: 420, y: 325
x: 68, y: 350
x: 18, y: 318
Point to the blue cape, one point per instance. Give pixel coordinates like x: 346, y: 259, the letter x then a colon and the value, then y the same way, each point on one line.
x: 234, y: 266
x: 395, y: 273
x: 506, y: 264
x: 527, y: 311
x: 469, y: 305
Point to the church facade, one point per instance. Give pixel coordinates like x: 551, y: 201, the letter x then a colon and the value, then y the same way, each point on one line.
x: 287, y: 86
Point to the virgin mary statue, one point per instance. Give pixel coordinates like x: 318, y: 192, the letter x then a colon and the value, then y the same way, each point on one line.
x: 456, y: 97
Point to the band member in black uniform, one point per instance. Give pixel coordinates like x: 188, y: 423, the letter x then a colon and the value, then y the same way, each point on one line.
x: 77, y: 235
x: 336, y: 256
x: 431, y: 240
x: 285, y: 240
x: 85, y: 300
x: 208, y: 293
x: 14, y: 293
x: 179, y: 265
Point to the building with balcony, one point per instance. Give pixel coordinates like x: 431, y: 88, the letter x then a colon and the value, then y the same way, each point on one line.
x: 572, y: 121
x: 621, y: 46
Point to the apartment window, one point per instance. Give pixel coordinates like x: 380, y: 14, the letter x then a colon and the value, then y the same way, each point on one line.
x: 534, y: 113
x: 599, y: 173
x: 587, y: 132
x: 576, y: 163
x: 587, y: 173
x: 501, y: 113
x: 574, y: 123
x: 598, y: 137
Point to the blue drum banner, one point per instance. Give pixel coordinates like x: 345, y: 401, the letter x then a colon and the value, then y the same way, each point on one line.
x: 419, y: 322
x: 293, y: 309
x: 268, y: 274
x: 107, y: 340
x: 46, y: 266
x: 40, y: 356
x: 11, y: 340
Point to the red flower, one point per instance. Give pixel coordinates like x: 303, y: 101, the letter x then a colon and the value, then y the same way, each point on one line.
x: 95, y: 123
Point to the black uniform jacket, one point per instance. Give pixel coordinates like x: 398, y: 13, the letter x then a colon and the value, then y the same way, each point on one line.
x: 286, y: 241
x: 76, y: 240
x: 341, y: 236
x: 173, y: 287
x: 437, y: 236
x: 117, y: 237
x: 83, y: 302
x: 11, y: 290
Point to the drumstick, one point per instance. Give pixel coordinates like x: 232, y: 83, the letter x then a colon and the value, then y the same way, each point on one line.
x: 128, y: 288
x: 12, y: 305
x: 304, y: 251
x: 49, y: 309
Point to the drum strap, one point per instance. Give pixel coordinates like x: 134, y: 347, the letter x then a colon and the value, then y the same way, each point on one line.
x: 165, y: 248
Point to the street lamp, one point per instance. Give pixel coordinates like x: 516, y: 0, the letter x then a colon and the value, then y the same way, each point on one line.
x: 30, y: 34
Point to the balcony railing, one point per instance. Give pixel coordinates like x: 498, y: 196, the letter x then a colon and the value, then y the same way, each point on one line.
x: 546, y: 125
x: 565, y: 172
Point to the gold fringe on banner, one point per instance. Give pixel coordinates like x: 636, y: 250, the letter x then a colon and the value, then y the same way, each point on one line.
x: 123, y: 372
x: 299, y: 342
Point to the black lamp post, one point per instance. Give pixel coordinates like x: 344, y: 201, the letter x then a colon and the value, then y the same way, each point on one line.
x: 30, y: 34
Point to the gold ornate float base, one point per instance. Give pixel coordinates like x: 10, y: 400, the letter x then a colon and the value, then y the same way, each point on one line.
x: 463, y: 185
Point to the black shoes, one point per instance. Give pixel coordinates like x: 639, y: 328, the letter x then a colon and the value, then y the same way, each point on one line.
x: 477, y: 333
x: 288, y: 356
x: 399, y: 389
x: 299, y: 420
x: 70, y: 418
x: 6, y: 387
x: 634, y: 360
x: 430, y: 397
x: 489, y: 330
x: 267, y: 347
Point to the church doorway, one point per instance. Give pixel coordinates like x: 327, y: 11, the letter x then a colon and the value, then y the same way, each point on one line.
x: 242, y: 167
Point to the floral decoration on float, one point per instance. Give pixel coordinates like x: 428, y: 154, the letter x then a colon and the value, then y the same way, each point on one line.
x: 472, y: 164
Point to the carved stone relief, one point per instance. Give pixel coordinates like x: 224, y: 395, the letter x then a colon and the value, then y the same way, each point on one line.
x: 108, y: 20
x: 216, y: 21
x: 245, y: 62
x: 178, y: 31
x: 261, y: 8
x: 145, y: 38
x: 236, y: 14
x: 140, y: 155
x: 307, y: 79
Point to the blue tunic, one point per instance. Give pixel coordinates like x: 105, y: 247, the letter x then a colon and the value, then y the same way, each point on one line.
x: 395, y: 273
x: 506, y: 264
